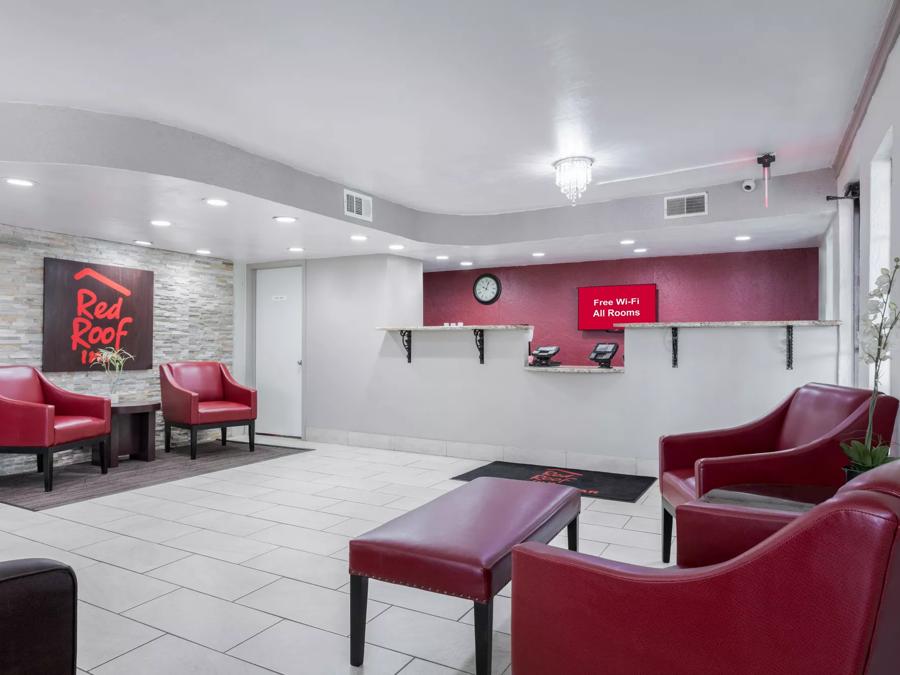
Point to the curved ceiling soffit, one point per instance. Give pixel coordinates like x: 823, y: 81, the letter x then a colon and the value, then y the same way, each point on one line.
x: 58, y: 135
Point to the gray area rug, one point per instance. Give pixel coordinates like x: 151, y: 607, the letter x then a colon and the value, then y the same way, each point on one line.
x: 78, y: 482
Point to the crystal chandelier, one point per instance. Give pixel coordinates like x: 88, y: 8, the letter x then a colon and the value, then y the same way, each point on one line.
x: 573, y: 175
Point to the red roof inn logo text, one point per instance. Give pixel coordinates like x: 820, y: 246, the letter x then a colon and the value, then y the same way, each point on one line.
x: 98, y: 323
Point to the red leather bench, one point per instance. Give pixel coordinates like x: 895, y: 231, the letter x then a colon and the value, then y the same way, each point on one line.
x: 460, y: 544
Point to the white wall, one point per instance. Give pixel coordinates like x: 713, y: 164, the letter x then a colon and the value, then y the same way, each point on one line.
x: 346, y: 298
x: 882, y: 116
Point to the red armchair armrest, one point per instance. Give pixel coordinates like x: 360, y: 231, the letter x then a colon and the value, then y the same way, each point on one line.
x: 70, y: 403
x: 581, y: 615
x: 681, y: 451
x: 237, y: 392
x: 25, y: 424
x: 819, y: 462
x: 178, y: 404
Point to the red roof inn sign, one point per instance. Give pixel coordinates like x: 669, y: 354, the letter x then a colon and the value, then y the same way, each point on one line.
x: 601, y: 307
x: 87, y: 307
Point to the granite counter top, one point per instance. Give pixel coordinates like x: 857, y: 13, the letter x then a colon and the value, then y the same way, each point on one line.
x: 514, y: 326
x: 727, y: 324
x: 574, y: 370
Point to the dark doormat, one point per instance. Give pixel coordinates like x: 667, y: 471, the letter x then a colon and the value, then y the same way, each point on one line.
x: 78, y: 482
x: 619, y: 487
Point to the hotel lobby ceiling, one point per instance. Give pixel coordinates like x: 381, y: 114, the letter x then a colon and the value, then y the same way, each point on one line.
x: 119, y: 205
x: 462, y: 108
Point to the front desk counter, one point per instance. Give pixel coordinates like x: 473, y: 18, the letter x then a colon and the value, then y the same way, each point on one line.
x: 466, y: 391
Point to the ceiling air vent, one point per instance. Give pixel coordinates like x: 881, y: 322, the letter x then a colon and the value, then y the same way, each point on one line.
x: 357, y: 205
x: 682, y: 206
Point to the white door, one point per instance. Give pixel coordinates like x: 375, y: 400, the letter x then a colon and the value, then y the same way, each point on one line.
x: 279, y: 359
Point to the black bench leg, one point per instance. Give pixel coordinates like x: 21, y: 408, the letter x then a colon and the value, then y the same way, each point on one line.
x: 484, y: 635
x: 104, y: 448
x: 667, y: 522
x: 48, y: 471
x: 168, y: 435
x: 193, y: 442
x: 572, y: 531
x: 359, y: 592
x: 224, y: 435
x: 251, y: 429
x: 40, y: 463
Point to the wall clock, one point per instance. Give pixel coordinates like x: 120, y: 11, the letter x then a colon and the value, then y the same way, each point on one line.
x: 486, y: 289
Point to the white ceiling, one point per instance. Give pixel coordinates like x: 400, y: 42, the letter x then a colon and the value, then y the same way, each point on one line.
x: 118, y: 205
x: 460, y: 107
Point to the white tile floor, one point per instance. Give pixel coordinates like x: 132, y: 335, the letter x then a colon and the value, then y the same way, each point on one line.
x: 244, y: 570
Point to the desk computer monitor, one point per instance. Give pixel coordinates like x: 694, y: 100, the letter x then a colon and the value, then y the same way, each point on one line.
x: 603, y: 354
x: 542, y: 356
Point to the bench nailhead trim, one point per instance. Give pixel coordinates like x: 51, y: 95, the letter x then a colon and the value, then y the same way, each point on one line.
x: 424, y: 588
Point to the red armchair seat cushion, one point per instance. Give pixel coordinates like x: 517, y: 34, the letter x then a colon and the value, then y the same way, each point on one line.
x: 67, y: 428
x: 223, y: 411
x: 460, y: 543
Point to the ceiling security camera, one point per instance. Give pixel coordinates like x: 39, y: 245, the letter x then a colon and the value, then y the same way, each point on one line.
x: 748, y: 185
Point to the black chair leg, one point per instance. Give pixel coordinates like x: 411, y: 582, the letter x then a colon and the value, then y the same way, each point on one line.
x: 359, y: 591
x: 667, y: 522
x: 252, y: 433
x: 573, y: 534
x: 484, y: 636
x: 193, y: 443
x: 168, y: 436
x: 48, y: 471
x: 104, y: 454
x: 40, y: 463
x: 224, y: 435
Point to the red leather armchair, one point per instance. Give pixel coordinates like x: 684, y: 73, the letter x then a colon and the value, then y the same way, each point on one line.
x: 203, y: 395
x: 820, y: 596
x: 37, y: 417
x: 797, y: 443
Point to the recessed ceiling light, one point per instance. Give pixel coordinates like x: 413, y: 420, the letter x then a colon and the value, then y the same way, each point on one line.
x: 20, y: 182
x: 203, y: 251
x: 640, y: 250
x: 161, y: 223
x: 742, y: 237
x: 215, y: 201
x: 442, y: 257
x: 537, y: 254
x: 466, y: 263
x: 396, y: 247
x: 284, y: 219
x: 141, y: 242
x: 295, y: 249
x: 627, y: 242
x: 358, y: 237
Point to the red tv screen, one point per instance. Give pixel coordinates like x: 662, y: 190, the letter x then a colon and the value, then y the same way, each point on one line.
x: 601, y: 307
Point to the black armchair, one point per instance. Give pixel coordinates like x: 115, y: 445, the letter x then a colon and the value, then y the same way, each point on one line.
x: 38, y: 605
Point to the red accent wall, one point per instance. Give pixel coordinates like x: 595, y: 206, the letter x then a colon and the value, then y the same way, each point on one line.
x: 753, y: 286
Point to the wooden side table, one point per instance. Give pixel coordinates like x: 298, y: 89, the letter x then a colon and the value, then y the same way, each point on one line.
x: 133, y: 431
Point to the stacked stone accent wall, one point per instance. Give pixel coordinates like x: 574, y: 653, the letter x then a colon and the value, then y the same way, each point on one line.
x: 193, y: 303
